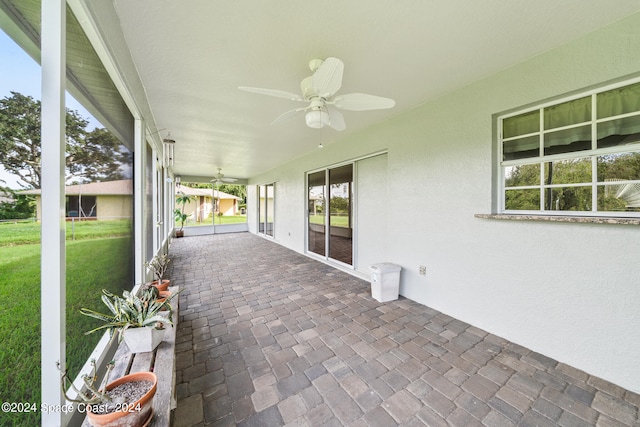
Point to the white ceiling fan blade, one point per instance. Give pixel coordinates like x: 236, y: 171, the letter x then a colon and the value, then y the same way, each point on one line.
x: 327, y: 79
x: 219, y: 177
x: 336, y: 119
x: 272, y: 92
x: 362, y: 102
x: 220, y: 180
x: 284, y: 117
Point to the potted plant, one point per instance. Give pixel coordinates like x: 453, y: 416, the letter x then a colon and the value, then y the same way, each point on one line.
x: 126, y: 402
x: 179, y: 214
x: 153, y: 293
x: 158, y: 265
x: 136, y: 319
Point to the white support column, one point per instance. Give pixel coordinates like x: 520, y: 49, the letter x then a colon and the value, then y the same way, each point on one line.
x: 169, y: 202
x: 138, y: 196
x: 53, y: 276
x: 156, y: 196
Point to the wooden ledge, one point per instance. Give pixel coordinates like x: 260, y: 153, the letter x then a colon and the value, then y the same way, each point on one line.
x: 559, y: 218
x: 161, y: 361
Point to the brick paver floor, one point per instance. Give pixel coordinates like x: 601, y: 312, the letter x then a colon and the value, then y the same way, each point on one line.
x: 269, y: 337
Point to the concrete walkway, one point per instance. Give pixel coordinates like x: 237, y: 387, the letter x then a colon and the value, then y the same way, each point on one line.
x: 268, y: 337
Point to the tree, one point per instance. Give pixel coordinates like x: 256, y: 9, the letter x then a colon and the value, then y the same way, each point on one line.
x: 614, y: 169
x: 98, y: 157
x: 235, y: 190
x: 20, y: 137
x: 17, y: 206
x: 94, y: 155
x: 339, y: 205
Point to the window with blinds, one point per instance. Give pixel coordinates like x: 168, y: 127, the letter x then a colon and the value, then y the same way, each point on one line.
x: 577, y: 156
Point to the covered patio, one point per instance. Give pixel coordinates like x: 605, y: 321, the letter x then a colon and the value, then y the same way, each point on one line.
x: 490, y: 181
x: 271, y: 337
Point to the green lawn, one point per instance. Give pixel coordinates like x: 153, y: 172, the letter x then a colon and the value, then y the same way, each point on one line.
x: 20, y: 233
x: 336, y: 220
x: 225, y: 219
x: 92, y: 264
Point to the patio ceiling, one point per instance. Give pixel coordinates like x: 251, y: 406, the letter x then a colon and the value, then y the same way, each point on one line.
x: 191, y: 57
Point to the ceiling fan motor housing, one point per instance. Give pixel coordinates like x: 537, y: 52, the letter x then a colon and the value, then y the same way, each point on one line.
x: 306, y: 87
x: 314, y: 64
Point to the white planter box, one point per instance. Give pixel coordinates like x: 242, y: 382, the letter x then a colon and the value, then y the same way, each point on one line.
x: 142, y: 340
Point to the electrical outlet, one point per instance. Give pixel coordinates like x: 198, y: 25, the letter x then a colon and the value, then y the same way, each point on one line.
x: 422, y: 270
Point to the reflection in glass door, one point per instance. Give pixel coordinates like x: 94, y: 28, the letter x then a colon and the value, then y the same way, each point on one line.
x: 270, y: 208
x: 316, y: 212
x: 340, y: 220
x: 262, y: 209
x: 330, y: 222
x: 266, y: 209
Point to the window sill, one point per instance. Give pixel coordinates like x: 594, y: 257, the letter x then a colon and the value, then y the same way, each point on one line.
x: 558, y: 218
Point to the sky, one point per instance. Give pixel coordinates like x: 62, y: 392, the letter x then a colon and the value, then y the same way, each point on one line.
x: 20, y: 73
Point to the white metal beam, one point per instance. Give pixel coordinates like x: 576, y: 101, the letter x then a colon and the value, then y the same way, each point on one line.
x: 138, y: 199
x: 53, y: 275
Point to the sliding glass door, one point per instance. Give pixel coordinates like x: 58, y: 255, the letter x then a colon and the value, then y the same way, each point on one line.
x: 330, y: 222
x: 316, y: 217
x: 266, y: 209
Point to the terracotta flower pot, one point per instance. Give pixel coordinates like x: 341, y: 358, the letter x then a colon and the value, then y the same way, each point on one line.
x: 164, y: 295
x: 163, y: 285
x: 138, y: 413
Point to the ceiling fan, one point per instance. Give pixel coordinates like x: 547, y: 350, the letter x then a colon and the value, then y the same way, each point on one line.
x: 219, y: 178
x: 319, y: 91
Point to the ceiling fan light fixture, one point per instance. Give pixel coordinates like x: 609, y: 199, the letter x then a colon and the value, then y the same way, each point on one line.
x: 317, y: 119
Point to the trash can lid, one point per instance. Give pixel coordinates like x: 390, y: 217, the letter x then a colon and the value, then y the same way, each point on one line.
x: 386, y: 267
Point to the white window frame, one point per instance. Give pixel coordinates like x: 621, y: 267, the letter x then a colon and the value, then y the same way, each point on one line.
x: 541, y: 159
x: 264, y: 233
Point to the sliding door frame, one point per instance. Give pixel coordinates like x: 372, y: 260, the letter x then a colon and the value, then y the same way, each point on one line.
x: 327, y: 214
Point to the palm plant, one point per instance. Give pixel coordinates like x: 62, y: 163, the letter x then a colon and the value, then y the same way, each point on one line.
x: 180, y: 216
x: 130, y: 311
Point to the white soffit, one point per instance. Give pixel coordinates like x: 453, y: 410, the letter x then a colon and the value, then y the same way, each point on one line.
x: 192, y: 56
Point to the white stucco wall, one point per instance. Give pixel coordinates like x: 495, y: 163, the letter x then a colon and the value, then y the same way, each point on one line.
x: 569, y: 291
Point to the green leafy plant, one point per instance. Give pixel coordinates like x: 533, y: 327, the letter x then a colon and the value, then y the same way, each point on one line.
x: 130, y: 311
x: 179, y: 214
x: 151, y: 293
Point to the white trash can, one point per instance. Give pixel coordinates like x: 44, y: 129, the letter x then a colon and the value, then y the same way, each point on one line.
x: 385, y: 281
